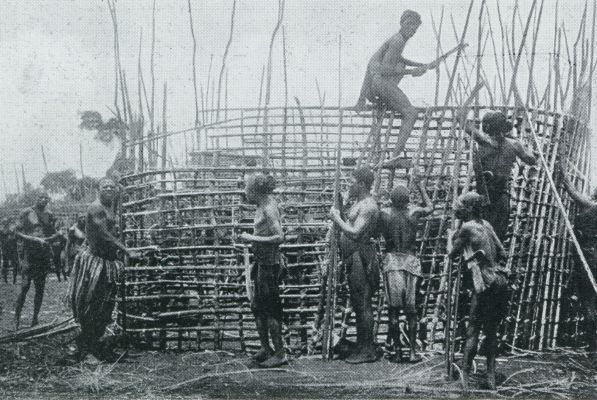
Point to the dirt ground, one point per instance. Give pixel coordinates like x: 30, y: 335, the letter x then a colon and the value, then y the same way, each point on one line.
x: 34, y: 370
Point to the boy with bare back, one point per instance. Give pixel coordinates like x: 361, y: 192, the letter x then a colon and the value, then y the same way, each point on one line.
x: 401, y: 266
x: 386, y: 69
x: 359, y: 256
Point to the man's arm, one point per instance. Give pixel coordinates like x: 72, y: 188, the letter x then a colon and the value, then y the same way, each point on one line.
x: 578, y: 197
x: 273, y: 217
x: 411, y: 63
x: 419, y: 212
x: 480, y: 137
x: 98, y: 219
x: 366, y: 216
x: 459, y: 241
x: 525, y: 155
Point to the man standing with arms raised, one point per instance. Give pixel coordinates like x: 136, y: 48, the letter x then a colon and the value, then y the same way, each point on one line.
x: 359, y: 256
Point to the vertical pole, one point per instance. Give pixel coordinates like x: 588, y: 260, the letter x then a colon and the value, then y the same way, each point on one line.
x: 81, y: 159
x: 43, y: 156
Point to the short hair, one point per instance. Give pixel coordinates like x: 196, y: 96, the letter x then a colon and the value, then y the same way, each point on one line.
x: 105, y: 180
x: 400, y: 196
x: 495, y: 123
x: 364, y: 175
x: 472, y: 202
x: 410, y: 15
x: 260, y: 183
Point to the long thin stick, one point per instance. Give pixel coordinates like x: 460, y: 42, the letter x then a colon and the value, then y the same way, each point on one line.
x: 198, y: 134
x: 43, y: 156
x: 330, y: 303
x: 224, y: 58
x: 81, y: 159
x: 519, y: 54
x: 17, y: 180
x: 556, y: 195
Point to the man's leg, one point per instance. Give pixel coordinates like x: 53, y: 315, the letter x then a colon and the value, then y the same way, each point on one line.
x: 365, y: 93
x: 410, y: 308
x: 15, y: 268
x: 57, y: 267
x: 260, y: 317
x: 394, y: 333
x: 472, y: 339
x: 274, y: 318
x: 394, y: 294
x: 40, y: 287
x: 25, y: 285
x: 491, y: 340
x: 360, y: 296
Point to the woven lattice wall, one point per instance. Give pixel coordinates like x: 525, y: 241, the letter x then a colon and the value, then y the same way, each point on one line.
x: 192, y: 293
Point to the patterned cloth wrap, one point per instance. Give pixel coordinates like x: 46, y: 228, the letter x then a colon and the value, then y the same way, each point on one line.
x: 94, y: 286
x: 396, y: 261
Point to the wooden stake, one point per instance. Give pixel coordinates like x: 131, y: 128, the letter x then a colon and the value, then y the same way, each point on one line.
x: 81, y: 159
x: 224, y: 58
x: 330, y: 303
x: 43, y: 156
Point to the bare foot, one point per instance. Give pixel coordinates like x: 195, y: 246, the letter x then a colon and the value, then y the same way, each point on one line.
x: 274, y: 361
x: 263, y: 354
x: 366, y: 355
x: 414, y: 358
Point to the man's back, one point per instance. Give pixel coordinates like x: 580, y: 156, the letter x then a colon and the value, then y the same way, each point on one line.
x: 399, y: 228
x: 500, y: 158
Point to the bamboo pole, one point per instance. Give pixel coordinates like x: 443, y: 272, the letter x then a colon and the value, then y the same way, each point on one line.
x: 227, y: 49
x: 559, y: 202
x: 268, y: 83
x: 519, y: 54
x: 81, y: 159
x: 17, y: 180
x: 285, y: 121
x: 330, y: 304
x: 43, y: 156
x: 194, y: 62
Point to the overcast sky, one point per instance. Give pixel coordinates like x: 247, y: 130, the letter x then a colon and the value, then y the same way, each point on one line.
x: 56, y: 60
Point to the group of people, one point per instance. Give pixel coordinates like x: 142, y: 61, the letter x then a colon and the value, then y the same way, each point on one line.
x: 482, y: 215
x: 34, y: 245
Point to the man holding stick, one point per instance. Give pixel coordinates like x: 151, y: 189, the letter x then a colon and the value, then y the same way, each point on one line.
x: 386, y: 69
x: 359, y: 256
x: 401, y: 266
x: 483, y: 252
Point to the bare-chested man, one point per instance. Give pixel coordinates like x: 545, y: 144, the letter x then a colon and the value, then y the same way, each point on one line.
x: 37, y: 230
x: 359, y: 256
x: 483, y: 252
x: 494, y: 160
x: 386, y: 69
x: 585, y: 228
x: 401, y: 266
x: 266, y: 238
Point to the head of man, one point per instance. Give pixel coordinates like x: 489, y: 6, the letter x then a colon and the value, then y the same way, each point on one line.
x: 107, y: 190
x: 258, y: 186
x: 469, y: 206
x: 496, y: 124
x: 81, y: 219
x: 361, y: 183
x: 400, y: 197
x: 409, y: 23
x: 42, y: 200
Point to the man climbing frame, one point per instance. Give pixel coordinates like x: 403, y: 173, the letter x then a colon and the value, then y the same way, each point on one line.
x: 493, y: 162
x: 386, y: 69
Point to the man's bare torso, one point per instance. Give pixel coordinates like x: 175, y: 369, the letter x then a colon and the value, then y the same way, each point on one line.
x: 389, y: 54
x: 499, y: 159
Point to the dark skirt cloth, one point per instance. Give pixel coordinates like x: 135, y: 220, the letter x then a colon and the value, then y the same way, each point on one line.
x: 491, y: 305
x: 94, y: 286
x: 266, y: 300
x: 37, y: 263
